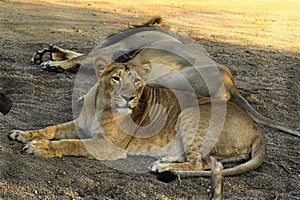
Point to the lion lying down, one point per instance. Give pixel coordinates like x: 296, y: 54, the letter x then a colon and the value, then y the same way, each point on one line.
x: 150, y: 43
x: 122, y: 115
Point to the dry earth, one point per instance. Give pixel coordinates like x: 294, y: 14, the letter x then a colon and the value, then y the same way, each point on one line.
x: 258, y: 41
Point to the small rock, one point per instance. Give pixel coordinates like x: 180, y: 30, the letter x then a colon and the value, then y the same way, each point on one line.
x: 254, y: 98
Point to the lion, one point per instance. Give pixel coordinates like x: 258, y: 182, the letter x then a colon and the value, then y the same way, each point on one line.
x: 122, y: 115
x: 152, y: 43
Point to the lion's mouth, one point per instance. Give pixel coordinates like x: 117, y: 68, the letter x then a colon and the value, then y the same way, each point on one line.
x: 127, y: 109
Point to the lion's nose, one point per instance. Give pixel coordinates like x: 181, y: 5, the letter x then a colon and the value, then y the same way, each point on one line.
x: 127, y: 98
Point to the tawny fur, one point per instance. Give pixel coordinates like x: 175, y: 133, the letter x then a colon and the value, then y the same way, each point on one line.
x: 69, y: 60
x: 121, y: 96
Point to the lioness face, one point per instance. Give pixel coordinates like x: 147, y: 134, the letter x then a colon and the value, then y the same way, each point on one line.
x: 124, y: 85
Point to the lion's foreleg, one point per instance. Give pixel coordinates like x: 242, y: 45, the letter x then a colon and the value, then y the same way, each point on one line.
x: 67, y: 147
x: 95, y: 148
x: 62, y: 131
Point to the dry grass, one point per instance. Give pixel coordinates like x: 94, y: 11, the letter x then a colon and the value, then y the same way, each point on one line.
x: 268, y: 23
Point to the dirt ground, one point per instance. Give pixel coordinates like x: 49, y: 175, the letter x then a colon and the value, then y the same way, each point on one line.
x: 259, y: 44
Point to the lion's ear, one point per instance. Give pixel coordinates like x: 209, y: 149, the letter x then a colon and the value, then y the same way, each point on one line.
x: 144, y: 70
x: 99, y: 65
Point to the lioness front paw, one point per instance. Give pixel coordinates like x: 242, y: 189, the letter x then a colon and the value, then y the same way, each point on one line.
x: 41, y: 148
x: 20, y: 136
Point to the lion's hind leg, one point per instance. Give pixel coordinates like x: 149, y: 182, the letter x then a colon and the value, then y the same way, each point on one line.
x: 39, y: 55
x: 174, y: 164
x: 58, y: 60
x: 71, y: 65
x: 191, y: 159
x: 191, y: 141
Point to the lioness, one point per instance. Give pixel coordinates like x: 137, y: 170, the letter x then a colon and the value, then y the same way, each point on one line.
x: 123, y: 115
x: 152, y: 44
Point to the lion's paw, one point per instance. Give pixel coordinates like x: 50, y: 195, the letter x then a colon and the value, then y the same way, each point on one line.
x: 41, y: 148
x: 20, y: 136
x: 159, y: 167
x: 51, y: 66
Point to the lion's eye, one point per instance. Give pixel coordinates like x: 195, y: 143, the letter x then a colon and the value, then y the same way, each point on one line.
x: 116, y: 78
x: 137, y: 81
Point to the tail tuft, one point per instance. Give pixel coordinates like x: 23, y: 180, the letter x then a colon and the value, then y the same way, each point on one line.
x: 152, y: 22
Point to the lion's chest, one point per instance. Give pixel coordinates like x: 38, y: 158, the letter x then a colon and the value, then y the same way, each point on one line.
x: 141, y: 133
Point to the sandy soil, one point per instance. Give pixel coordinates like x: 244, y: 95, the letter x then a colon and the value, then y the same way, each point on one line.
x: 259, y: 42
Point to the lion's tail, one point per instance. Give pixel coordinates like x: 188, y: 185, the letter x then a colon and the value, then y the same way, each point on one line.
x: 258, y: 118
